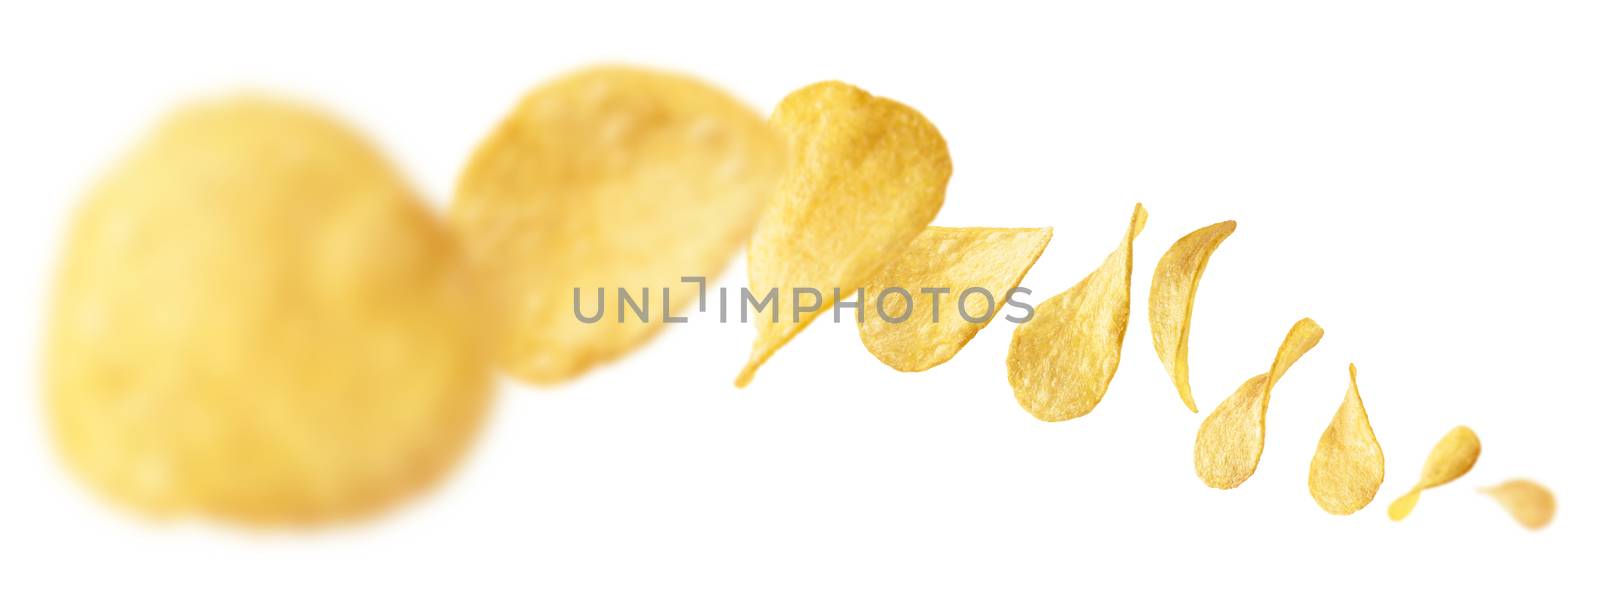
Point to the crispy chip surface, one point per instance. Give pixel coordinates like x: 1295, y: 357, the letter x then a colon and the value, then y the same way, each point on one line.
x: 1172, y: 292
x: 1348, y: 466
x: 1451, y: 458
x: 1229, y: 443
x: 608, y: 178
x: 1062, y: 360
x: 1529, y: 503
x: 866, y: 175
x: 255, y: 320
x: 956, y: 259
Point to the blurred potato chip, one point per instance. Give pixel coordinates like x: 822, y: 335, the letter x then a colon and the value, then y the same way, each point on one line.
x: 1172, y: 292
x: 1451, y: 458
x: 1228, y: 446
x: 608, y: 178
x: 866, y: 175
x: 256, y: 320
x: 1529, y: 503
x: 1348, y: 466
x: 956, y: 259
x: 1062, y: 360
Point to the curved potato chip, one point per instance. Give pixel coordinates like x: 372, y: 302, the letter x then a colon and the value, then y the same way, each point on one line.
x: 1451, y: 458
x: 866, y: 175
x: 610, y: 177
x: 1062, y: 360
x: 955, y: 259
x: 256, y: 320
x: 1348, y: 466
x: 1529, y: 503
x: 1172, y: 293
x: 1228, y: 446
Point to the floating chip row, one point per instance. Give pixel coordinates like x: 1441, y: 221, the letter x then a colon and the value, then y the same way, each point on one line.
x: 255, y: 318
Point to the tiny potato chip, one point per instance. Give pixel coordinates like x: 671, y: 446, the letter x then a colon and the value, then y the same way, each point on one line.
x: 255, y: 320
x: 1529, y: 503
x: 1348, y: 466
x: 1062, y: 360
x: 1451, y: 458
x: 1229, y: 443
x: 865, y: 176
x: 1172, y: 292
x: 604, y: 180
x: 978, y: 267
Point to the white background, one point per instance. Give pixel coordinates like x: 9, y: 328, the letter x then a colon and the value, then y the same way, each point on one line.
x: 1419, y: 177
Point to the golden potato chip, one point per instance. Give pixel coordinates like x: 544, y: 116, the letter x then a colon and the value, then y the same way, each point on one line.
x: 1172, y: 293
x: 1062, y: 360
x: 975, y: 267
x: 608, y: 179
x: 1228, y: 446
x: 256, y: 320
x: 866, y: 175
x: 1451, y: 458
x: 1529, y: 503
x: 1348, y: 466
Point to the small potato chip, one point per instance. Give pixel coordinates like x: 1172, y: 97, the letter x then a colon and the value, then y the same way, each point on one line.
x: 1172, y: 293
x: 1228, y: 446
x: 1348, y: 466
x: 1062, y: 360
x: 255, y: 320
x: 958, y: 260
x: 1451, y: 458
x: 608, y: 179
x: 1529, y: 503
x: 866, y: 175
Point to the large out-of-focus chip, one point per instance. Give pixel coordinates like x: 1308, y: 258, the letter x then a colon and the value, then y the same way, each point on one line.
x: 256, y: 320
x: 972, y: 270
x: 866, y: 175
x: 1529, y: 503
x: 1348, y: 466
x: 1228, y: 446
x: 1062, y: 360
x: 616, y: 179
x: 1172, y: 293
x: 1451, y: 458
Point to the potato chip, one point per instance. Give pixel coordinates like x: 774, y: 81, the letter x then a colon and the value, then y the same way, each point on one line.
x: 866, y: 175
x: 256, y: 320
x: 1529, y: 503
x: 1451, y: 458
x: 1228, y: 446
x: 1348, y: 466
x: 612, y: 178
x: 1062, y: 360
x: 1172, y: 293
x: 976, y: 267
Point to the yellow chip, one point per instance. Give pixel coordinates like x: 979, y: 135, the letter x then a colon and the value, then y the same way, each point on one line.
x: 1529, y: 503
x: 255, y: 320
x: 866, y: 175
x: 975, y: 267
x: 615, y: 179
x: 1172, y: 293
x: 1348, y: 466
x: 1451, y: 458
x: 1062, y: 360
x: 1228, y: 446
